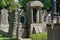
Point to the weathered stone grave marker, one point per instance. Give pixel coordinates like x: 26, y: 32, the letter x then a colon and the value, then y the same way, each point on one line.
x: 4, y: 20
x: 53, y: 30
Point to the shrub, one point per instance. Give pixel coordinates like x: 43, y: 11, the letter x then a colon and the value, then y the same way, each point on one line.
x: 42, y: 36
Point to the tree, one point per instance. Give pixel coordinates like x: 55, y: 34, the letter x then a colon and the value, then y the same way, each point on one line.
x: 58, y: 5
x: 47, y: 3
x: 8, y: 4
x: 2, y: 4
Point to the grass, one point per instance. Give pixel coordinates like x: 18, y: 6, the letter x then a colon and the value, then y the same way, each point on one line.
x: 42, y: 36
x: 2, y: 37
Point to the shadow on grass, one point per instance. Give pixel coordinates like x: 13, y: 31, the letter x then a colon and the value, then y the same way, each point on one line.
x: 4, y: 34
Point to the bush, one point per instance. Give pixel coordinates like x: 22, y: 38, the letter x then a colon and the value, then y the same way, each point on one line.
x: 42, y: 36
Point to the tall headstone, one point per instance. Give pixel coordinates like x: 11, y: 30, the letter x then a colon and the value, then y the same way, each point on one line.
x: 4, y: 20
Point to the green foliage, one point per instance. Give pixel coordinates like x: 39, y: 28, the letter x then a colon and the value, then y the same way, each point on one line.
x: 2, y: 3
x: 8, y: 4
x: 42, y: 36
x: 47, y: 3
x: 13, y: 6
x: 58, y: 2
x: 24, y: 2
x: 5, y: 3
x: 58, y: 5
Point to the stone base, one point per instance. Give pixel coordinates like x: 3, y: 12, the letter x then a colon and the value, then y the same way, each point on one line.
x: 21, y: 31
x: 4, y: 28
x: 25, y: 39
x: 39, y: 28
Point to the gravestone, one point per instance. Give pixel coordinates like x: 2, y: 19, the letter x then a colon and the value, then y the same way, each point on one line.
x: 44, y: 12
x: 49, y: 31
x: 53, y: 30
x: 0, y: 20
x: 4, y: 20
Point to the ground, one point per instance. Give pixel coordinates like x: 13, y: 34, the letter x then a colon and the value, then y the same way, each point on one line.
x: 2, y: 37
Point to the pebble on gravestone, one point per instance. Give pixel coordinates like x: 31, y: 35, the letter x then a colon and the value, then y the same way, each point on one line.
x: 4, y: 20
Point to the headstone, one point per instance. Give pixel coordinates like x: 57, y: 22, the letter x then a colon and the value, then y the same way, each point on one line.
x: 0, y: 20
x: 49, y: 19
x: 44, y: 12
x: 56, y: 31
x: 53, y: 33
x: 49, y: 31
x: 4, y: 20
x: 55, y: 20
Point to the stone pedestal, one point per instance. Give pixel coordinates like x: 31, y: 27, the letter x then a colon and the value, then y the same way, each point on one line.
x: 37, y: 28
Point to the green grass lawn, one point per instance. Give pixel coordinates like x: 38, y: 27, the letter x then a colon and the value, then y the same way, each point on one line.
x: 6, y: 38
x: 42, y: 36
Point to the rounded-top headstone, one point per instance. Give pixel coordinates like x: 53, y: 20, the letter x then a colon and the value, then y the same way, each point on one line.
x: 4, y: 20
x: 4, y: 15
